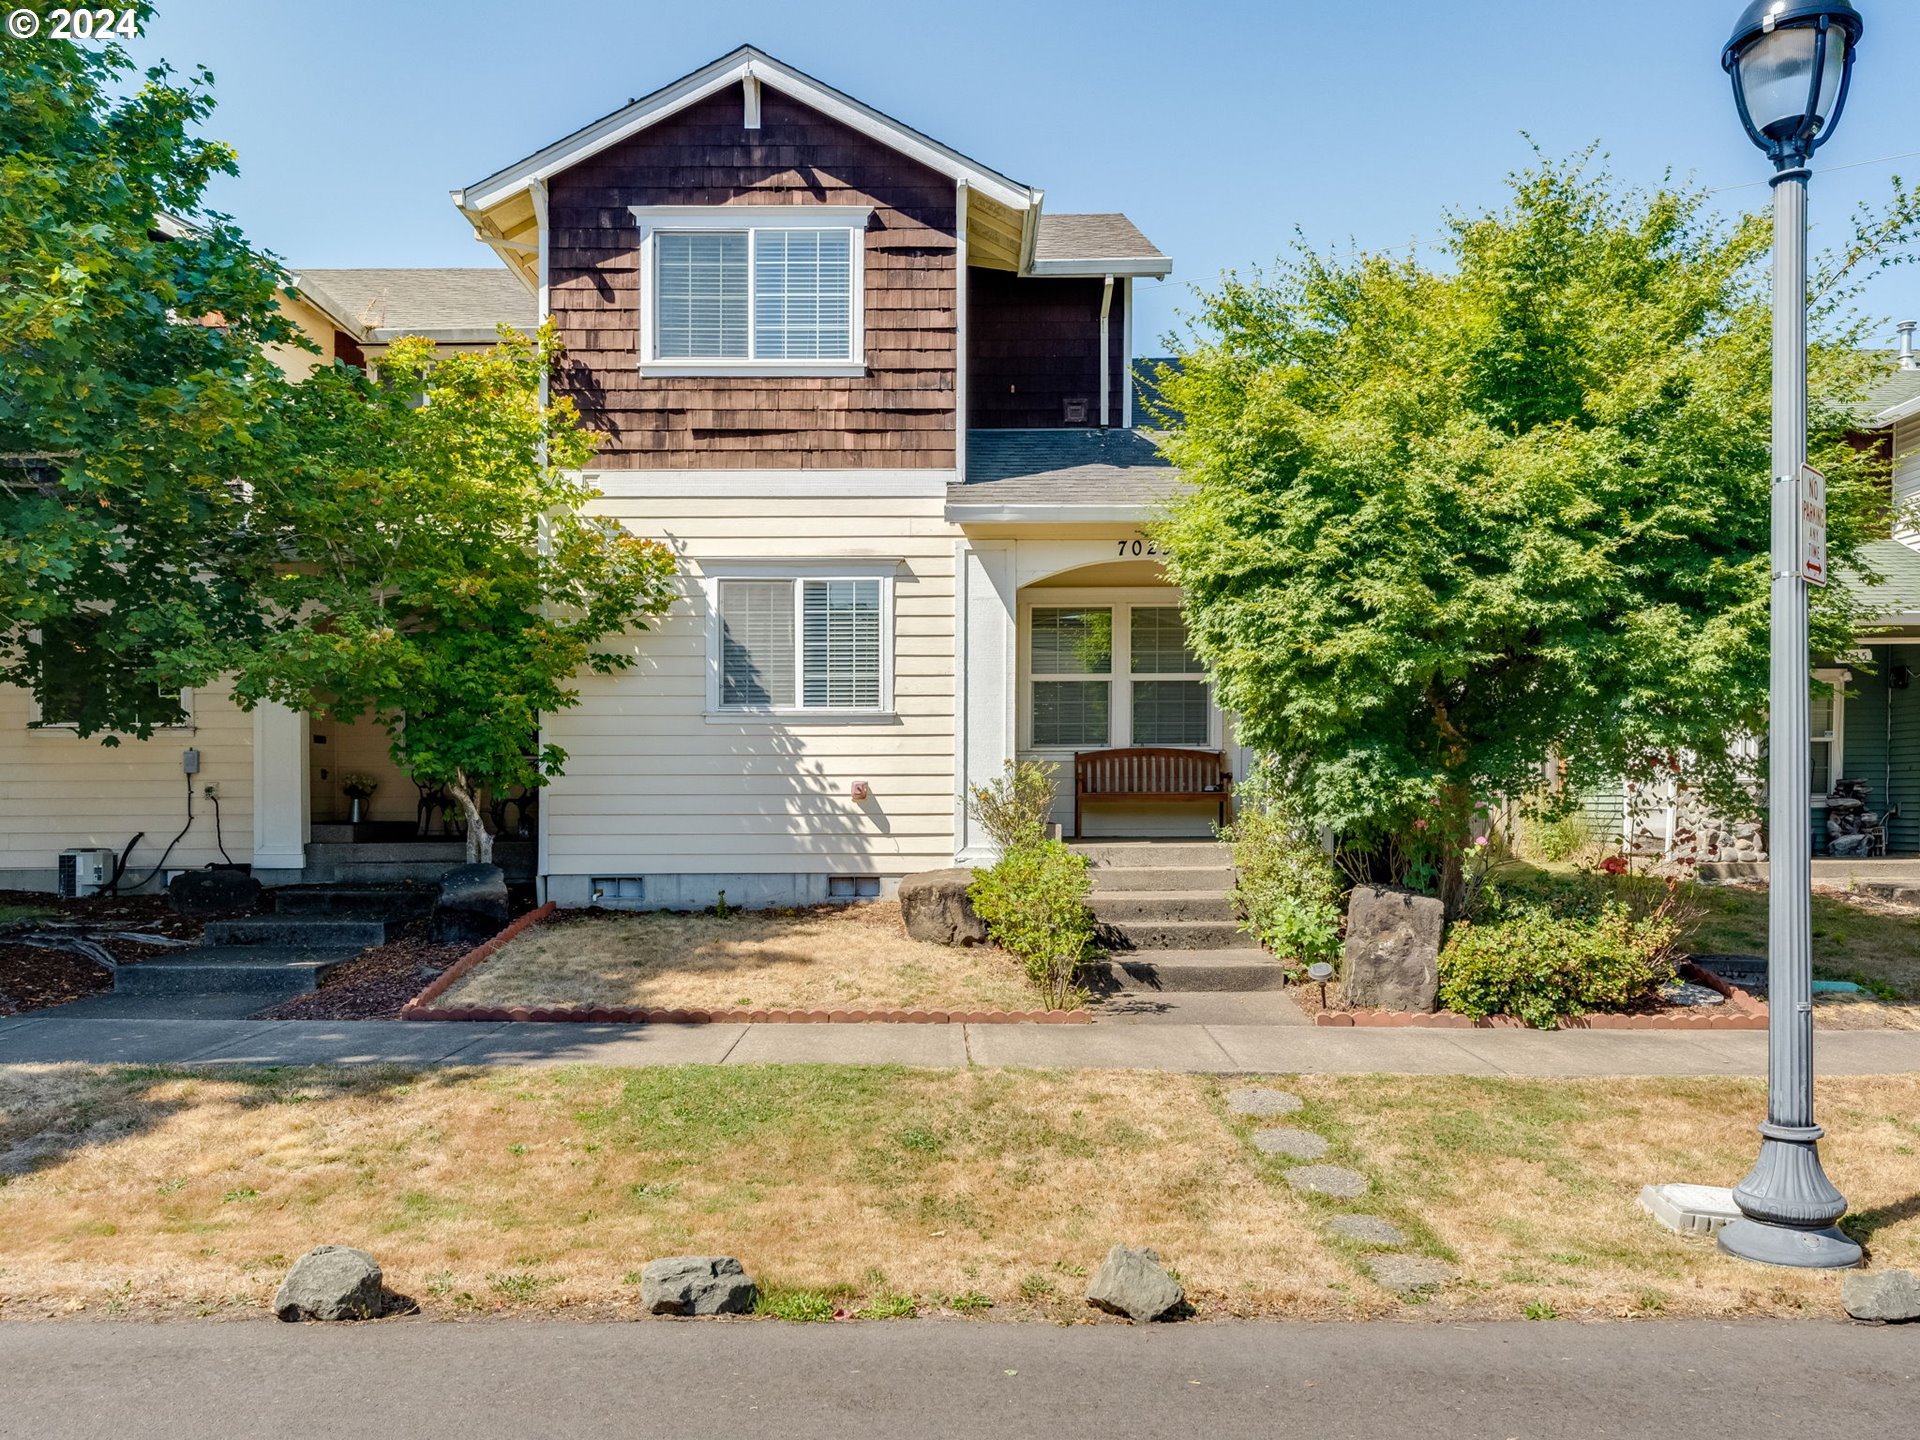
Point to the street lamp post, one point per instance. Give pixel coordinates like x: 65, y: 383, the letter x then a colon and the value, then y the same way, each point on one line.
x: 1790, y: 63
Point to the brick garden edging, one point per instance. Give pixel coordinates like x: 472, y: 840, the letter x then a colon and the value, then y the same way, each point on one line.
x: 1747, y: 1014
x: 421, y: 1007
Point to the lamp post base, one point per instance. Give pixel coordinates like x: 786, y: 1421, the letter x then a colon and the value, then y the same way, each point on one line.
x: 1824, y: 1249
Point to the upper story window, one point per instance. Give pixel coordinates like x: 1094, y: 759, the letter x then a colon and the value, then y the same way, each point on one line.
x: 752, y: 290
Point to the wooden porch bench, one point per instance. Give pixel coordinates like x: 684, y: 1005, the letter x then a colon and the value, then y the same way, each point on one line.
x: 1151, y: 773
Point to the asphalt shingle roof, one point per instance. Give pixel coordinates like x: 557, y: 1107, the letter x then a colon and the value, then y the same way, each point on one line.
x: 1091, y: 237
x: 1900, y: 563
x: 1898, y: 388
x: 1064, y: 467
x: 394, y: 302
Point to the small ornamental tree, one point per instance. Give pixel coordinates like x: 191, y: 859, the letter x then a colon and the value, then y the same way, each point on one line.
x: 1448, y: 522
x: 136, y: 399
x: 439, y: 572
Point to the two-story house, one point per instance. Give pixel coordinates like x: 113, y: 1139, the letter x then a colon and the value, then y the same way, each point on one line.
x: 878, y: 401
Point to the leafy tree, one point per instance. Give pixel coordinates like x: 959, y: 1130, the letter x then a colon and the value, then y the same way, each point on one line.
x: 135, y: 399
x: 1448, y: 521
x: 438, y: 571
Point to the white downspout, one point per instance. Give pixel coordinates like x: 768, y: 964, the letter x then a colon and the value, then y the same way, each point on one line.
x: 543, y: 308
x: 1106, y: 363
x: 1126, y: 352
x: 962, y: 195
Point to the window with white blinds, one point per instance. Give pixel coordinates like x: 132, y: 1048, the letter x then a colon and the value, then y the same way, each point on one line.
x: 773, y: 294
x: 803, y: 643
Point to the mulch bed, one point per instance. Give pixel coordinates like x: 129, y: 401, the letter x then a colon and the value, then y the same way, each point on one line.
x: 32, y: 978
x: 377, y: 982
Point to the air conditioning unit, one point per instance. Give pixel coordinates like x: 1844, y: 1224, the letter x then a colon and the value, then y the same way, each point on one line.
x: 84, y: 872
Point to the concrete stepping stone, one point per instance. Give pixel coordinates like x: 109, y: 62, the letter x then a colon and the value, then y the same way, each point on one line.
x: 1296, y: 1144
x: 1410, y: 1274
x: 1334, y: 1180
x: 1262, y: 1103
x: 1367, y: 1229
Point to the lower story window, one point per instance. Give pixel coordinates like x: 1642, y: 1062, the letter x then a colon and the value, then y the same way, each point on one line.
x: 1823, y: 727
x: 802, y: 643
x: 1071, y: 667
x: 79, y: 675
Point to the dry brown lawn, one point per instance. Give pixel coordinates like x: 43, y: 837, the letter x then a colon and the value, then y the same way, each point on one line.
x: 154, y: 1191
x: 1855, y: 937
x: 822, y: 958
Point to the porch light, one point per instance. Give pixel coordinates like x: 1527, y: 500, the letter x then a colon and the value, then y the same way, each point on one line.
x: 1791, y: 63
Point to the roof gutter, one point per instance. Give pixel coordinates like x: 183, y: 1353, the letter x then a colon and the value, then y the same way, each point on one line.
x: 1043, y: 513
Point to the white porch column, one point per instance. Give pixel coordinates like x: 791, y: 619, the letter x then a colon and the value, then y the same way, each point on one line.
x: 984, y: 689
x: 280, y: 794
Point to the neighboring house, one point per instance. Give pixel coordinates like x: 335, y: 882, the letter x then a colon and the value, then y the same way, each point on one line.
x: 1868, y: 729
x: 353, y: 315
x: 879, y: 403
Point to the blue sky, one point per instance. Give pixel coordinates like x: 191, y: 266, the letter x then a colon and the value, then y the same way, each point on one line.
x: 1219, y: 127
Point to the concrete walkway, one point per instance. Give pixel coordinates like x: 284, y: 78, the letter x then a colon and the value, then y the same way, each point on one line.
x: 1224, y: 1049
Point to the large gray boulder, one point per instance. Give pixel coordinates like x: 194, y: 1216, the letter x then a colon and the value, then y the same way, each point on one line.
x: 472, y: 907
x: 697, y: 1285
x: 1392, y: 955
x: 204, y: 894
x: 1887, y: 1295
x: 333, y: 1282
x: 935, y: 906
x: 1135, y: 1284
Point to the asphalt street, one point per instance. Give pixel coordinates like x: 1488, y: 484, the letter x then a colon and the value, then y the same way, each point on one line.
x: 925, y: 1380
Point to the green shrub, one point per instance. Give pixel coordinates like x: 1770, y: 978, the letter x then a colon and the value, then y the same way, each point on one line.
x: 1286, y: 887
x: 1034, y: 902
x: 1551, y: 838
x: 1013, y: 810
x: 1543, y: 963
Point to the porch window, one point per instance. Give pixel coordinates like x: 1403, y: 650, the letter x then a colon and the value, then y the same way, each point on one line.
x: 1171, y: 705
x: 1823, y: 727
x: 754, y: 290
x: 802, y: 643
x: 1070, y: 646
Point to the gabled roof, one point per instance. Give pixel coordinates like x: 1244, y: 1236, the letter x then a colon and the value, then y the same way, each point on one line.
x: 1895, y: 398
x: 745, y: 63
x: 1897, y: 602
x: 453, y: 306
x: 1108, y: 244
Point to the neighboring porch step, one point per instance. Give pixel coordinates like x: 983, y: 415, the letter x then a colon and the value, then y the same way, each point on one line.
x: 254, y: 969
x: 1133, y: 906
x: 1193, y: 970
x: 308, y: 932
x: 1155, y: 854
x: 1134, y: 879
x: 353, y: 902
x: 1126, y: 935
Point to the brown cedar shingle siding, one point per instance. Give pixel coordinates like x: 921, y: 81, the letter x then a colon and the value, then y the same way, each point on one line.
x: 1035, y: 344
x: 900, y: 414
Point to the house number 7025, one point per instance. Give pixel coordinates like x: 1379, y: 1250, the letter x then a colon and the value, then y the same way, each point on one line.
x: 1138, y: 547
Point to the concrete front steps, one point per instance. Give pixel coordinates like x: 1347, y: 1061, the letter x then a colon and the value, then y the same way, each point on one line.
x: 1167, y: 920
x: 289, y: 952
x: 377, y: 863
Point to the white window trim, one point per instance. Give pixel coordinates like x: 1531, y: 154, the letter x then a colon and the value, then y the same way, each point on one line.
x: 710, y: 219
x: 711, y: 574
x: 185, y: 726
x: 1122, y: 601
x: 1837, y: 760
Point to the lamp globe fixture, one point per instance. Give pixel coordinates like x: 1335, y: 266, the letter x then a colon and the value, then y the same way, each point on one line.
x: 1791, y: 62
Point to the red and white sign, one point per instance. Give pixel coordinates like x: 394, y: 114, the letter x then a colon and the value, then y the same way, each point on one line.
x: 1813, y: 526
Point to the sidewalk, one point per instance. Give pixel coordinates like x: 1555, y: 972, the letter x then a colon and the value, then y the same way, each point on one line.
x: 1225, y: 1049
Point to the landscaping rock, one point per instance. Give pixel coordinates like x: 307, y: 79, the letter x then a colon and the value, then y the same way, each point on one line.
x: 697, y: 1285
x: 935, y: 906
x: 1135, y: 1284
x: 472, y: 907
x: 332, y: 1282
x: 1299, y: 1144
x: 1334, y: 1180
x: 206, y: 893
x: 1892, y: 1296
x: 1262, y: 1103
x: 1367, y: 1230
x: 1409, y: 1274
x: 1392, y: 956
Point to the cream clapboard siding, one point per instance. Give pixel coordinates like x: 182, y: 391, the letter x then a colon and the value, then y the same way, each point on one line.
x: 1906, y: 481
x: 58, y: 791
x: 652, y: 786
